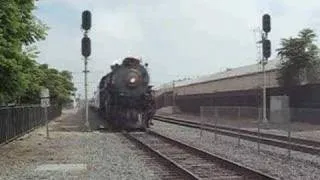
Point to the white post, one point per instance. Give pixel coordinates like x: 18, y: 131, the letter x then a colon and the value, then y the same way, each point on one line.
x: 46, y: 119
x: 45, y: 103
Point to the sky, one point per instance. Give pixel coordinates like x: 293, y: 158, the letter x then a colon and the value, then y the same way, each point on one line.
x: 177, y: 38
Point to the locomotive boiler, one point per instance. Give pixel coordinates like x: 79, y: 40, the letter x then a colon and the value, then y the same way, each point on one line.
x: 124, y: 97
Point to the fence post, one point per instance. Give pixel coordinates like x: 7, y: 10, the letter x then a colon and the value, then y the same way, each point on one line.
x: 7, y: 125
x: 14, y: 121
x: 34, y: 121
x: 239, y: 119
x: 289, y: 134
x: 27, y: 120
x: 201, y: 119
x: 259, y: 134
x: 21, y: 123
x: 216, y: 113
x: 39, y: 115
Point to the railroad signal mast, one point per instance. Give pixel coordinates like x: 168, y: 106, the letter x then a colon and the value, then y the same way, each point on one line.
x: 86, y: 52
x: 266, y: 51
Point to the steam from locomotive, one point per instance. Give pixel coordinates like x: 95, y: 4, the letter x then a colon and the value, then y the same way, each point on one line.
x: 124, y: 97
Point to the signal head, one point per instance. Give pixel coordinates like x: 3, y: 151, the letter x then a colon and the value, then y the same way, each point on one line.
x: 86, y: 46
x: 266, y: 23
x: 266, y: 47
x: 86, y: 20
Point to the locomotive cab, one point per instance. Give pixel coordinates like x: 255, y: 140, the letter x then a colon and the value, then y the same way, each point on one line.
x: 130, y: 62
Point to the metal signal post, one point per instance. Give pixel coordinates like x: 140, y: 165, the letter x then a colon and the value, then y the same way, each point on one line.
x: 266, y: 51
x: 86, y: 88
x: 86, y: 52
x: 264, y: 93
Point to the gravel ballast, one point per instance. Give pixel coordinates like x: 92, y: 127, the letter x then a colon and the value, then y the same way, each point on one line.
x: 298, y: 129
x: 84, y: 155
x: 271, y: 160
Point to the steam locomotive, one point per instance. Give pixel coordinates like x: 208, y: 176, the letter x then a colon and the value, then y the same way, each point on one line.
x: 124, y: 97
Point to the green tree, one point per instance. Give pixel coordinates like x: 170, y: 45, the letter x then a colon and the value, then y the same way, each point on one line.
x: 299, y: 59
x: 19, y: 28
x: 59, y: 84
x: 22, y: 77
x: 32, y: 77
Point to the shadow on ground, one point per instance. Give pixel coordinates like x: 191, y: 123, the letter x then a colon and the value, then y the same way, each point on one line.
x: 74, y: 120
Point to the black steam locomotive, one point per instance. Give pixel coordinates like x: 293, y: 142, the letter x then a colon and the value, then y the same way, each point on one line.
x: 124, y: 97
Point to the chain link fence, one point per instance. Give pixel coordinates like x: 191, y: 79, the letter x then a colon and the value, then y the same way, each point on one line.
x: 287, y: 122
x: 18, y: 120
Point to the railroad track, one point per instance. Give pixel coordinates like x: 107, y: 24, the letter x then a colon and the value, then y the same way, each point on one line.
x: 190, y: 162
x: 296, y: 144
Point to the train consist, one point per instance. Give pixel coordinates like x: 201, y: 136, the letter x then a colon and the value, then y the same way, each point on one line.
x: 124, y: 96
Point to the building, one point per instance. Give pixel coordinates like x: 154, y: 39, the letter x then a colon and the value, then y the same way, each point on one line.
x: 240, y: 86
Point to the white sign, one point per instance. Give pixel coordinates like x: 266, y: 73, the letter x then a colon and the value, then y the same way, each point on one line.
x: 45, y: 102
x: 44, y: 93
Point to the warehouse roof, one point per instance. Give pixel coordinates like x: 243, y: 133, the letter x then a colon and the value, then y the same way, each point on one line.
x: 229, y: 73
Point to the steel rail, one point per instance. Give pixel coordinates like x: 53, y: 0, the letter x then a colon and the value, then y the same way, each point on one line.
x: 296, y: 144
x: 214, y: 159
x: 183, y: 171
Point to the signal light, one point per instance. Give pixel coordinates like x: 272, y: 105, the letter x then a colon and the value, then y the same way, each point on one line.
x: 86, y: 20
x: 266, y: 24
x: 86, y: 46
x: 266, y: 46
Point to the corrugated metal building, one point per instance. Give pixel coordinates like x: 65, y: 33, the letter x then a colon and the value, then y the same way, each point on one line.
x: 240, y: 86
x: 241, y: 78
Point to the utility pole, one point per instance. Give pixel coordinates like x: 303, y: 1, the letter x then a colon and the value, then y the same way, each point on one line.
x: 86, y: 51
x: 266, y: 48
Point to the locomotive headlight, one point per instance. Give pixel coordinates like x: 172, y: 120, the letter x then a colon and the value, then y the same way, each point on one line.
x: 132, y: 80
